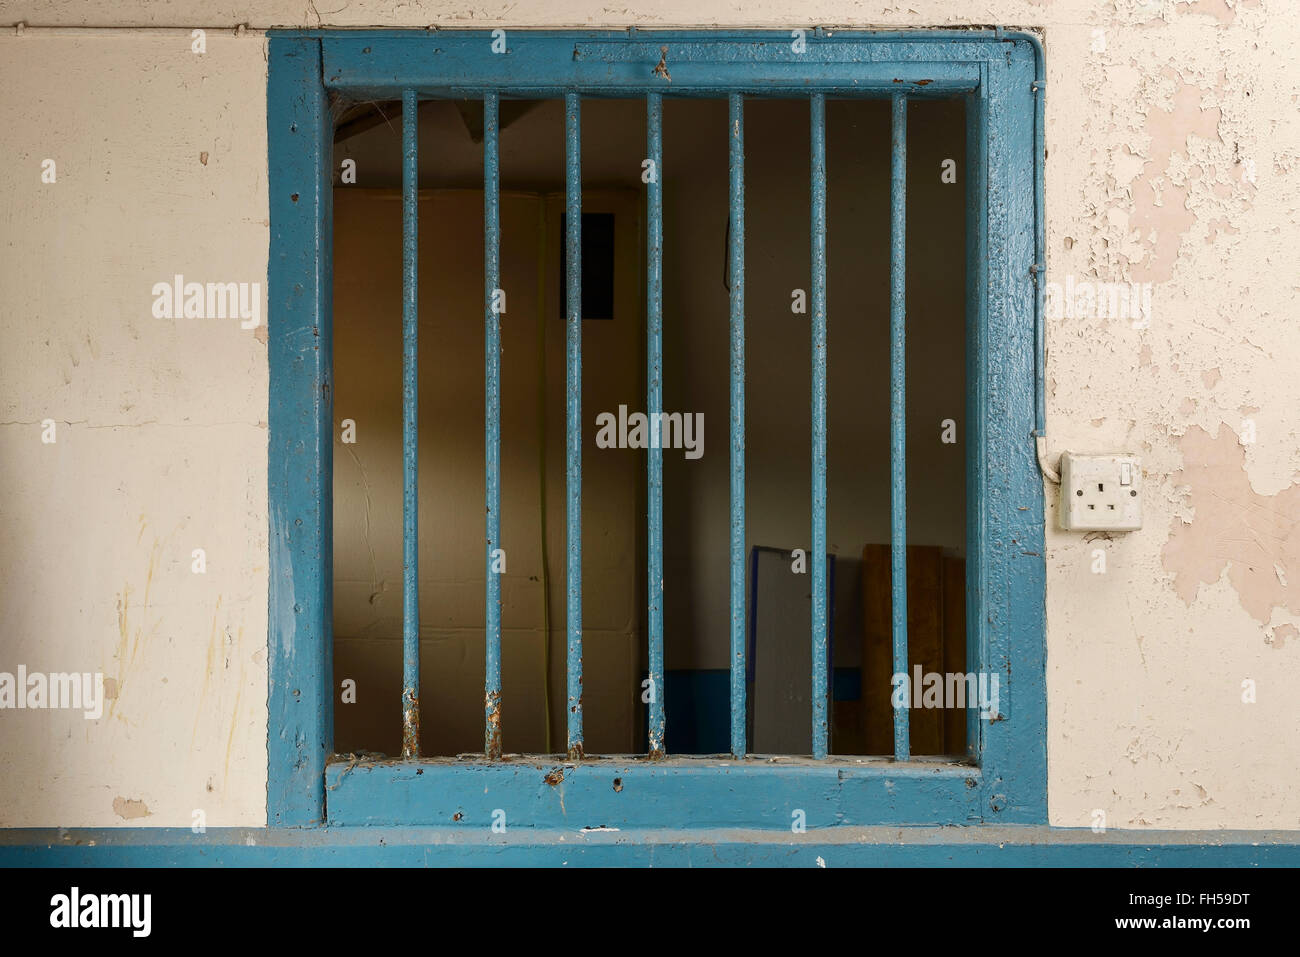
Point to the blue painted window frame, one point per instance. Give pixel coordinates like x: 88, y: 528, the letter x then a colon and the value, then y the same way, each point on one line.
x: 1005, y: 781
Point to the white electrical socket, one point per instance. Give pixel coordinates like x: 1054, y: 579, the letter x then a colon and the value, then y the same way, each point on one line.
x: 1101, y: 492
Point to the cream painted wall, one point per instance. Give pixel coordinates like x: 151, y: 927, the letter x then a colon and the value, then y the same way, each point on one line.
x: 160, y: 429
x: 1173, y: 150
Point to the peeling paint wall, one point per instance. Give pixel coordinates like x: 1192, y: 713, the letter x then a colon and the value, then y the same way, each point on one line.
x: 1172, y: 152
x: 1173, y: 149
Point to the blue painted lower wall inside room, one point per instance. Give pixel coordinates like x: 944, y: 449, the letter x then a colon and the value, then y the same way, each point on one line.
x: 479, y: 846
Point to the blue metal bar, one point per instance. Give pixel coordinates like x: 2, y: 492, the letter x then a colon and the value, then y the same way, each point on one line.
x: 543, y: 255
x: 820, y: 637
x: 492, y: 401
x: 736, y: 276
x: 898, y: 412
x: 410, y: 429
x: 654, y: 405
x: 573, y: 410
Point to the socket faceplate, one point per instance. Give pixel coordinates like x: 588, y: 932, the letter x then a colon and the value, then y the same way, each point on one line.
x: 1101, y: 492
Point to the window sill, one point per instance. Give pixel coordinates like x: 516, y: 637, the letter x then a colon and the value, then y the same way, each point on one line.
x: 634, y: 792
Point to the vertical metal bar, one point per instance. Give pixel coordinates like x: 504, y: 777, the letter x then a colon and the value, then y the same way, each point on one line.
x: 897, y: 412
x: 977, y: 236
x: 492, y: 421
x: 543, y: 232
x: 736, y: 275
x: 410, y: 430
x: 654, y: 403
x: 573, y: 410
x: 820, y: 638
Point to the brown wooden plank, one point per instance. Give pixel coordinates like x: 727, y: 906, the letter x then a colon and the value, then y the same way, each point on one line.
x: 925, y: 641
x: 927, y: 646
x: 954, y: 648
x: 877, y: 667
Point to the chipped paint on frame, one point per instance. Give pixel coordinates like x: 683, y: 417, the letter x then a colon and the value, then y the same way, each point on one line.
x: 1010, y: 786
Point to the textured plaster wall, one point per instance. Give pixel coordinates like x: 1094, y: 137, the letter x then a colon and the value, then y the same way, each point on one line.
x: 1173, y: 150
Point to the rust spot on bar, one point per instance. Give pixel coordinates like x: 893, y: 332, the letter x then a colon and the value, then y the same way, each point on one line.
x: 618, y: 785
x: 410, y: 724
x: 662, y: 69
x: 457, y: 816
x: 493, y: 704
x: 575, y: 752
x: 554, y: 776
x: 924, y: 82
